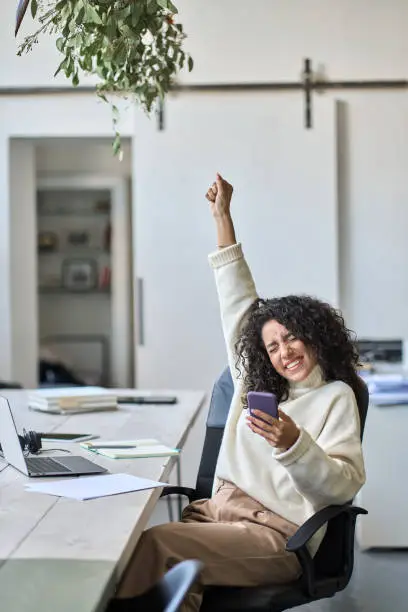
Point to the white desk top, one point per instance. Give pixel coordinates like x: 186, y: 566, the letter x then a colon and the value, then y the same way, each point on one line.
x: 70, y: 554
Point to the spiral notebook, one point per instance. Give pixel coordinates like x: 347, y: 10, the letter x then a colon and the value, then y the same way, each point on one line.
x: 129, y: 449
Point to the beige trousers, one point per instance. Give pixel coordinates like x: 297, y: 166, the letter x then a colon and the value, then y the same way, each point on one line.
x: 239, y: 541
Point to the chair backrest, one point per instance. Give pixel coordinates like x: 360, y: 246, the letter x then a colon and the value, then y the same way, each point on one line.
x: 217, y: 416
x: 336, y: 552
x: 176, y: 583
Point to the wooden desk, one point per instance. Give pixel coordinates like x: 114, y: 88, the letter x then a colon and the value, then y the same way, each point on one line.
x: 62, y: 555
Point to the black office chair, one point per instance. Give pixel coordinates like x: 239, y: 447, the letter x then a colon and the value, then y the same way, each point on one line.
x: 167, y: 595
x: 328, y: 572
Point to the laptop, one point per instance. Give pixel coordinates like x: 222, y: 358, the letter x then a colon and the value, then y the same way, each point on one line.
x: 38, y: 466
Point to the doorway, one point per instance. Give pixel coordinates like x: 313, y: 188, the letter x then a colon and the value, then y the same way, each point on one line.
x: 83, y: 278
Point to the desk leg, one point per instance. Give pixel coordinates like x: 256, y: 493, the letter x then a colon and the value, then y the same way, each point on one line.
x: 179, y: 497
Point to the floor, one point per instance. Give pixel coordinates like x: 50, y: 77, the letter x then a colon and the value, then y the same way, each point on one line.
x: 379, y: 584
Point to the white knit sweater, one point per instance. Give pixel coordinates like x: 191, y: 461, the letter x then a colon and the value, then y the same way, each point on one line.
x: 325, y: 465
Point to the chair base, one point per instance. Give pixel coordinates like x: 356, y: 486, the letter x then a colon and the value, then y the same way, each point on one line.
x: 255, y: 599
x: 152, y: 601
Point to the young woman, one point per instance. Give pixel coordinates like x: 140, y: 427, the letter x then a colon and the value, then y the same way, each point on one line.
x: 272, y: 474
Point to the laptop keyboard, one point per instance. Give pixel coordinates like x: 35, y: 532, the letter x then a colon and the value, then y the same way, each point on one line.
x: 45, y: 465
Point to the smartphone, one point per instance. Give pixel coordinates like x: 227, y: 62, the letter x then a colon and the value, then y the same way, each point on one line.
x: 147, y: 399
x: 67, y: 437
x: 266, y: 402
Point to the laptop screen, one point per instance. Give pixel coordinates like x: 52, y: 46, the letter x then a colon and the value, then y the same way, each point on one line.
x: 9, y: 441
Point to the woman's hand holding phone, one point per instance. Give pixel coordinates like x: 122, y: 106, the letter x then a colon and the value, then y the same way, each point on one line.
x: 276, y: 427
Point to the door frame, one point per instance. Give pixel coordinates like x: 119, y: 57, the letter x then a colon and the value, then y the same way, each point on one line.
x: 121, y: 353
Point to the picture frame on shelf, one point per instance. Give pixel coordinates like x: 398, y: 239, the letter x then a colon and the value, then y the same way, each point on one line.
x: 47, y: 242
x: 79, y: 274
x: 78, y: 238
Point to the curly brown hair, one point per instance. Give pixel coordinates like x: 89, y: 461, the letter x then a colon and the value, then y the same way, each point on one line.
x: 317, y: 324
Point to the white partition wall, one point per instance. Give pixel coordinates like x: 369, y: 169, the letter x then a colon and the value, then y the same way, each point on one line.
x: 284, y: 205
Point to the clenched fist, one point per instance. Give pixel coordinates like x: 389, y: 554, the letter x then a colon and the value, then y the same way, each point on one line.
x: 219, y: 195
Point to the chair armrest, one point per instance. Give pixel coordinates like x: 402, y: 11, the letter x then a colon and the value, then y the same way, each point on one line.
x: 298, y: 544
x: 188, y: 492
x: 315, y: 522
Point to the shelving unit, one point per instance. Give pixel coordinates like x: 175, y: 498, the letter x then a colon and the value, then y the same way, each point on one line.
x: 63, y: 291
x: 74, y: 273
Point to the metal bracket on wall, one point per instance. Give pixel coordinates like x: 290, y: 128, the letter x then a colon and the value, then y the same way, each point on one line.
x: 310, y: 82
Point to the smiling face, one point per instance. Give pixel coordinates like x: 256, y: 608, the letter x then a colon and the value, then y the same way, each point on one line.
x: 290, y: 357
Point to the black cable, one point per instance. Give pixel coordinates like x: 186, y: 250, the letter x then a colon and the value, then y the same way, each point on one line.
x: 47, y: 450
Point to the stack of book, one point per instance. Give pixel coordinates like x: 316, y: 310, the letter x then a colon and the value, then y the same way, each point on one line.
x: 130, y: 449
x: 72, y: 400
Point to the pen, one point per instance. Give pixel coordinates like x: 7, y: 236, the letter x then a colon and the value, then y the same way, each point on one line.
x: 92, y: 446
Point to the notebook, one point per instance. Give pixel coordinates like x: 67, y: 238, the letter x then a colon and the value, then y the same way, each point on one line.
x: 72, y: 400
x: 129, y: 449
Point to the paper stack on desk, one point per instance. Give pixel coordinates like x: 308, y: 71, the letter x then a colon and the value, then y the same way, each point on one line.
x: 128, y: 449
x: 387, y: 389
x: 90, y: 487
x: 72, y: 400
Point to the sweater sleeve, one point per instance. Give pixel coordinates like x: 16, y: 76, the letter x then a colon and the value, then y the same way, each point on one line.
x: 331, y: 471
x: 236, y: 293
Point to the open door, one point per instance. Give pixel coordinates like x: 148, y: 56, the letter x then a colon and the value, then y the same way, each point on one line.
x: 284, y: 207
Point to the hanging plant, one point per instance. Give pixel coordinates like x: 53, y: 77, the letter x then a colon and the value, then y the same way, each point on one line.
x: 135, y: 47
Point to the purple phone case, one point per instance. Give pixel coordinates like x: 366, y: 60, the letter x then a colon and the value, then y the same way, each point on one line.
x: 266, y: 402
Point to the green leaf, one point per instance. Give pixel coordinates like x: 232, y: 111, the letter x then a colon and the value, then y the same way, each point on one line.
x: 163, y: 3
x: 171, y: 7
x: 190, y: 64
x: 136, y: 12
x: 103, y: 97
x: 75, y: 80
x: 125, y: 30
x: 60, y: 67
x: 92, y: 15
x: 60, y: 43
x: 116, y: 144
x: 34, y: 8
x: 80, y: 17
x: 152, y: 7
x: 111, y: 27
x: 69, y: 66
x: 115, y: 113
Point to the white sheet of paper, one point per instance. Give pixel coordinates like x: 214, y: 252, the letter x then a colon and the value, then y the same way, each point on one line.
x: 90, y: 487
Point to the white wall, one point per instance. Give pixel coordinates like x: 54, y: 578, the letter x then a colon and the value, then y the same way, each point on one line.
x: 237, y: 40
x: 285, y: 193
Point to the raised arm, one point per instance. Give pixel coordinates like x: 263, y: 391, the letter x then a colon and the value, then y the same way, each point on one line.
x: 235, y: 285
x: 219, y: 196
